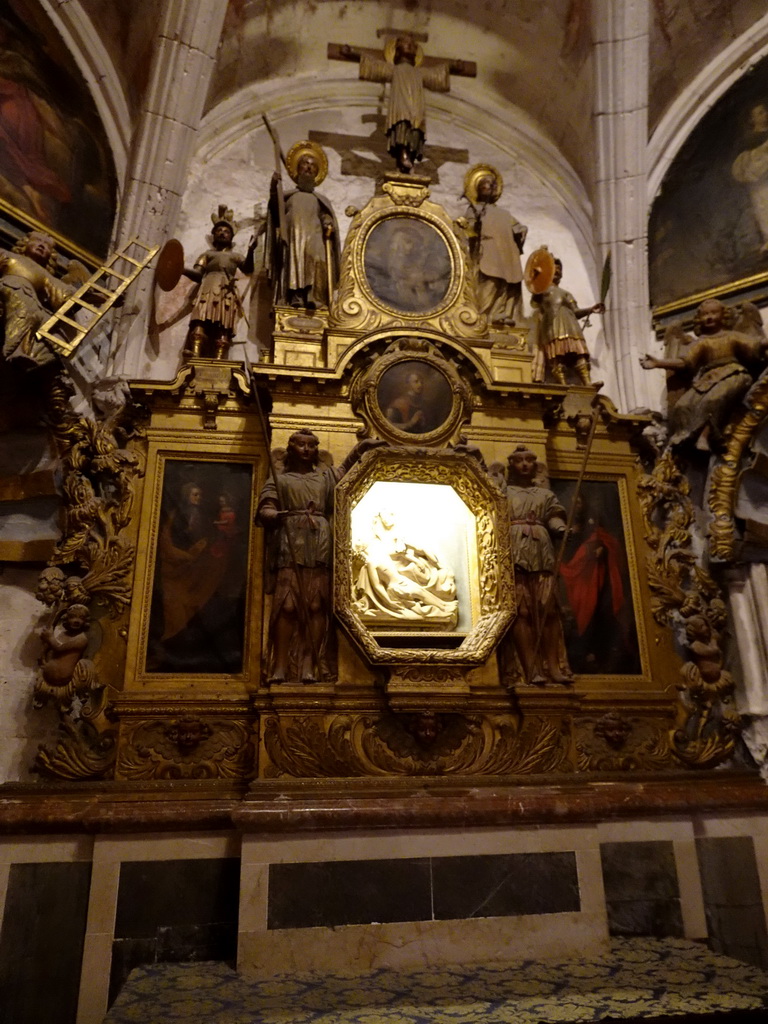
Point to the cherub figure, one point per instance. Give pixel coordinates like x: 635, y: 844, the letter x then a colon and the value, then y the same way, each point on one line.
x: 62, y: 668
x: 29, y: 293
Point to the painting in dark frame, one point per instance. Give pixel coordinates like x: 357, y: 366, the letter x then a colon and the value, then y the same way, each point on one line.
x: 55, y: 161
x: 709, y: 222
x: 199, y: 593
x: 414, y: 396
x: 407, y: 264
x: 595, y: 588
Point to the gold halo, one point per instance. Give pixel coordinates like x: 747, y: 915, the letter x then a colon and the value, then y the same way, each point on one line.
x: 391, y: 45
x: 473, y: 176
x: 300, y: 149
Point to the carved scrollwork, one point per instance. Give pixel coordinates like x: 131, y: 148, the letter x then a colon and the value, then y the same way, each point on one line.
x: 99, y: 473
x: 686, y: 599
x: 186, y: 747
x: 356, y: 745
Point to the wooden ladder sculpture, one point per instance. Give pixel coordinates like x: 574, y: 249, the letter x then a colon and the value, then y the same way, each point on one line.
x: 80, y: 313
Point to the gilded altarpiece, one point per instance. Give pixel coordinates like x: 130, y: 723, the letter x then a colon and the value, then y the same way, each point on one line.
x: 416, y: 407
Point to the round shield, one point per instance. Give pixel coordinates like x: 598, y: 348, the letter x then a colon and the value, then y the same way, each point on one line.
x: 170, y: 264
x: 539, y: 270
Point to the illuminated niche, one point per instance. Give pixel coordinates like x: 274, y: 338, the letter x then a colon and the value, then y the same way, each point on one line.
x: 422, y: 558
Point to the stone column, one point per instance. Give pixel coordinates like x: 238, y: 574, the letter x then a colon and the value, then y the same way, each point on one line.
x: 182, y: 68
x: 748, y: 592
x: 620, y: 33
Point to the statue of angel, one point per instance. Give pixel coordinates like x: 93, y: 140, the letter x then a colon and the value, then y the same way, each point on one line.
x: 712, y: 372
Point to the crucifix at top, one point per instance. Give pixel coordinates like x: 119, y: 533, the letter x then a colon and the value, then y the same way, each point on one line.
x: 402, y: 63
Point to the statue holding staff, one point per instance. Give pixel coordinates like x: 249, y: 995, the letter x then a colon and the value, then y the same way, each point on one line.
x: 302, y: 251
x: 535, y: 518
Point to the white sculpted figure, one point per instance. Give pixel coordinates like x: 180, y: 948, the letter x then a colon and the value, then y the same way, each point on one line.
x: 399, y: 581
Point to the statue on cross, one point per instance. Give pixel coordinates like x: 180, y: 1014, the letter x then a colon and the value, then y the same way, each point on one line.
x: 403, y: 64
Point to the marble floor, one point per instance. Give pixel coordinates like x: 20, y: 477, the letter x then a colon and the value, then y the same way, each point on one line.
x: 638, y: 978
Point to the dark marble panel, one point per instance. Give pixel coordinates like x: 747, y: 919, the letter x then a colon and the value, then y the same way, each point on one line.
x: 348, y: 892
x: 41, y: 943
x: 157, y: 894
x: 732, y: 898
x: 504, y: 886
x: 645, y: 917
x: 641, y: 890
x: 174, y: 911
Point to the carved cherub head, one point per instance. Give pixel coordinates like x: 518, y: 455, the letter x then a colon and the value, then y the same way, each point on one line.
x: 74, y: 591
x: 50, y: 585
x: 76, y: 619
x: 711, y: 316
x: 697, y: 628
x: 614, y: 729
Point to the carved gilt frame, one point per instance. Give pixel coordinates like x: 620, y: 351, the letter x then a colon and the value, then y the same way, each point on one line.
x: 208, y: 452
x: 411, y: 348
x: 494, y: 577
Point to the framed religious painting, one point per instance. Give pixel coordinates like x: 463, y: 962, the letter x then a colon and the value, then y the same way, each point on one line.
x: 193, y: 607
x: 409, y: 264
x: 411, y: 394
x: 708, y: 228
x: 598, y: 583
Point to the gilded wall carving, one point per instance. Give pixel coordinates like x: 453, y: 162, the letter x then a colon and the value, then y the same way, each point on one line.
x: 686, y: 599
x: 352, y: 745
x: 89, y: 579
x: 188, y: 746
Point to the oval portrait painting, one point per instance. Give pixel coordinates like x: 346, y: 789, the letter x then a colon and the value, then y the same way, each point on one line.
x: 415, y: 397
x: 407, y: 264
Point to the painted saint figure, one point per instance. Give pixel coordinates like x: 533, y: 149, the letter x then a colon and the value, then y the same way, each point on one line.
x: 560, y: 340
x: 751, y: 167
x: 595, y: 580
x: 535, y: 517
x: 299, y: 266
x: 496, y: 242
x: 217, y: 306
x: 407, y: 410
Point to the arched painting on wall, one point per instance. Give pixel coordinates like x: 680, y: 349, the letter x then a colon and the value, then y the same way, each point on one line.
x: 709, y: 222
x: 55, y: 164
